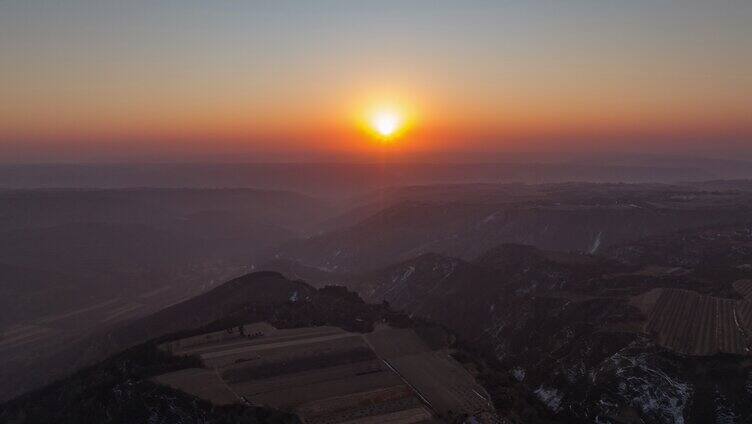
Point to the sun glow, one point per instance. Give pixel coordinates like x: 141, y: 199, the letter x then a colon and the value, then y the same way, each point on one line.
x: 386, y: 123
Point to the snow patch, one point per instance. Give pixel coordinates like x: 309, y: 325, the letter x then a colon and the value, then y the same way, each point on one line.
x: 550, y: 396
x: 723, y: 412
x: 649, y: 388
x: 400, y: 279
x: 518, y: 373
x: 596, y: 243
x: 490, y: 218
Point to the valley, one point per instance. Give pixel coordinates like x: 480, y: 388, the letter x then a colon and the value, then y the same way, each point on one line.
x: 555, y: 303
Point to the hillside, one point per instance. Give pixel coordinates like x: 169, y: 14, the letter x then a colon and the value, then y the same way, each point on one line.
x: 563, y: 217
x: 653, y: 330
x: 382, y: 348
x: 257, y: 293
x: 76, y: 262
x: 118, y: 390
x: 587, y: 326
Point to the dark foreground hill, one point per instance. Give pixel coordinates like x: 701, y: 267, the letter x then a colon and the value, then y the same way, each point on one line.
x: 651, y: 331
x: 74, y: 261
x: 554, y: 337
x: 121, y: 389
x: 117, y: 389
x: 256, y: 296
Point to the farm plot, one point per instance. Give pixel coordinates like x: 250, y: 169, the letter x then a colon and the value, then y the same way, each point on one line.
x: 21, y: 335
x: 284, y: 381
x: 322, y: 358
x: 693, y: 324
x: 405, y: 410
x: 189, y: 345
x: 744, y: 288
x: 743, y: 315
x: 199, y: 382
x: 356, y: 401
x: 326, y: 387
x: 443, y: 382
x: 391, y: 343
x: 279, y: 351
x: 324, y: 374
x: 124, y: 311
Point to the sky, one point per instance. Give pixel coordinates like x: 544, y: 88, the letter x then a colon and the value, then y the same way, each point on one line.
x: 189, y: 80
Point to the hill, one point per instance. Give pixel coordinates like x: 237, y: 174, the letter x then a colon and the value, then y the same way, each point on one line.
x: 562, y: 217
x: 139, y: 384
x: 644, y: 332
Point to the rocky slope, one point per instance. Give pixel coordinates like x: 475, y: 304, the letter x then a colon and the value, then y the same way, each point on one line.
x: 580, y: 332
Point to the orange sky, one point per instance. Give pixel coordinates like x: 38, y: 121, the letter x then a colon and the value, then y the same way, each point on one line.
x: 196, y: 79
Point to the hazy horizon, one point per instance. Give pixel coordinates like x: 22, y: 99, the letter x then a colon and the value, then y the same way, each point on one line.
x: 92, y: 81
x: 391, y: 157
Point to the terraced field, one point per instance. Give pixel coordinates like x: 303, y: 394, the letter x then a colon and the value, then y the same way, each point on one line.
x: 21, y: 335
x: 434, y: 375
x: 699, y: 325
x: 744, y: 288
x: 327, y: 375
x: 201, y: 382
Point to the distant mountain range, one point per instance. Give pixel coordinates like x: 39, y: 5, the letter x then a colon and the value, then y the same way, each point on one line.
x: 342, y: 180
x: 464, y: 221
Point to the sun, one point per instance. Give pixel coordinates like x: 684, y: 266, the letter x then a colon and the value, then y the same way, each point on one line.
x: 386, y: 123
